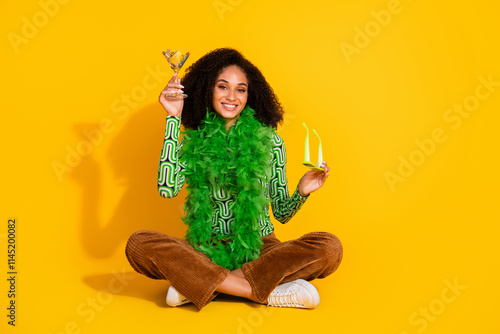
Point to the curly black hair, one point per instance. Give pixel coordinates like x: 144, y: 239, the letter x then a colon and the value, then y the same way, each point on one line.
x: 199, y: 82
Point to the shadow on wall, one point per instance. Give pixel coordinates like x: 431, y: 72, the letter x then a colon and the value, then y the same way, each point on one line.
x: 133, y: 157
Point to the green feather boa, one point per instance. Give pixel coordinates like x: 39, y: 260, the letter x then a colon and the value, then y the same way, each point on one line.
x: 239, y: 162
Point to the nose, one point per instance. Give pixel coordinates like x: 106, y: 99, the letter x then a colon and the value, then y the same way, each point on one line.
x: 231, y: 95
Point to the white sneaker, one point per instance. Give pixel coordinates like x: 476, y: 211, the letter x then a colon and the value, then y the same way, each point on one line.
x: 298, y: 293
x: 174, y: 298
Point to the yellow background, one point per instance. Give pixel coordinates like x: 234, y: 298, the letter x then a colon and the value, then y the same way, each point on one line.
x: 404, y: 245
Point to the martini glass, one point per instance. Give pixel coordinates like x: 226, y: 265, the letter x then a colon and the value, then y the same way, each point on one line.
x: 176, y: 60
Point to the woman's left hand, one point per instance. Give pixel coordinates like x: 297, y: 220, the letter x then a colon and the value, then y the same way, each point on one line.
x: 313, y: 180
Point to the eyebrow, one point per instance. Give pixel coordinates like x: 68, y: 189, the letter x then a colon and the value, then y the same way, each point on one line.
x: 241, y: 83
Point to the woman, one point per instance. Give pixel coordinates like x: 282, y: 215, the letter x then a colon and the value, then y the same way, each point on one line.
x: 233, y: 164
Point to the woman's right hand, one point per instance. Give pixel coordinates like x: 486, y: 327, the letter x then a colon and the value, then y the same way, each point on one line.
x: 173, y: 105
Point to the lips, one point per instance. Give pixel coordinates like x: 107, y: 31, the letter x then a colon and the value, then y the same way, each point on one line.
x: 229, y: 107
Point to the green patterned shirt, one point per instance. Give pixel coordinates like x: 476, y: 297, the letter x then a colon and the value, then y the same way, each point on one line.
x: 171, y: 179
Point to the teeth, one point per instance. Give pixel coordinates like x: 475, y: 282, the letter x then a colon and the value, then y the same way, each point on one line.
x: 229, y: 105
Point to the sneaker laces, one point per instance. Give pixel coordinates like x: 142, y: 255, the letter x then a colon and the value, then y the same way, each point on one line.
x: 285, y: 298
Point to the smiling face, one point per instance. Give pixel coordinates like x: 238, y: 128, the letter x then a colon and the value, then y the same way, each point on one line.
x: 230, y: 94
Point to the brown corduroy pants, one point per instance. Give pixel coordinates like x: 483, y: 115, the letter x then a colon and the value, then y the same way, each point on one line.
x: 195, y: 276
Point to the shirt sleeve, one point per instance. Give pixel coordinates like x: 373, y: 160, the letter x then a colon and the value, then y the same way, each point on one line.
x: 171, y: 169
x: 284, y: 206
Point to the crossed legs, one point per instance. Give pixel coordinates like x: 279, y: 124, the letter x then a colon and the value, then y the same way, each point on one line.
x: 158, y: 256
x: 236, y: 284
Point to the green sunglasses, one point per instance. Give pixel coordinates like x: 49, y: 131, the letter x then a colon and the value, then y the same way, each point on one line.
x: 307, y: 159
